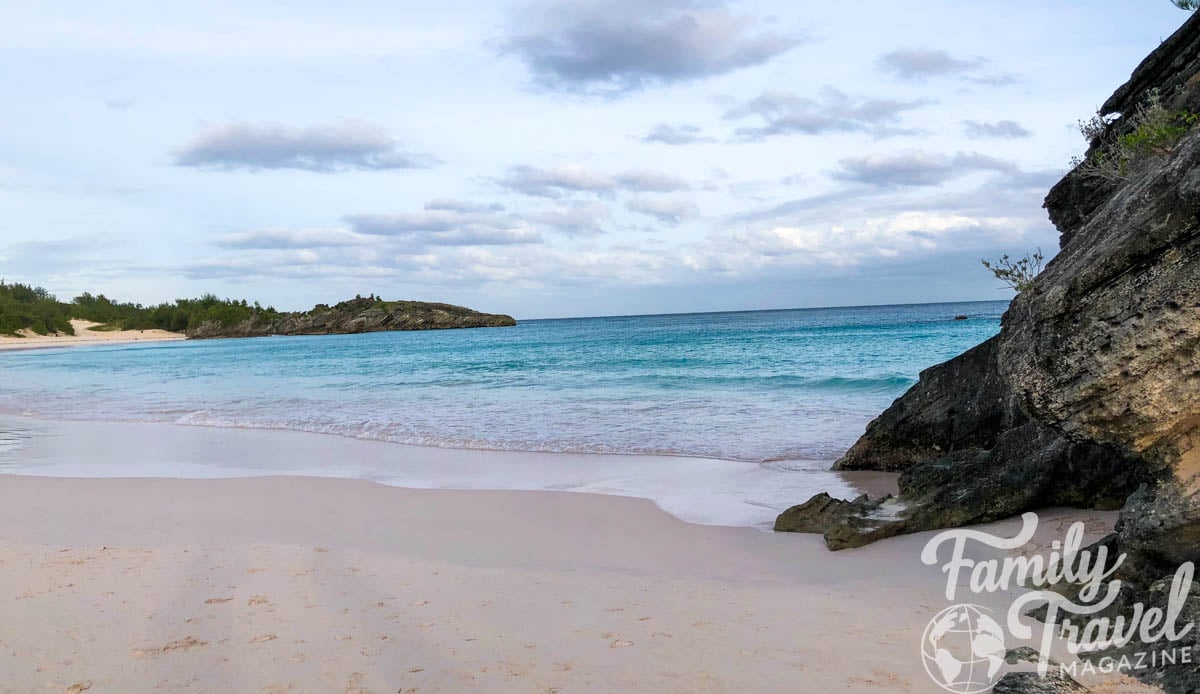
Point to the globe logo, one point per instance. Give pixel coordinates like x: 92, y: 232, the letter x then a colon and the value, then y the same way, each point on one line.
x: 963, y: 649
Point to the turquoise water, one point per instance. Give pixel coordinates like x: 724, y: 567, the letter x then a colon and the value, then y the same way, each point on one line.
x: 749, y: 386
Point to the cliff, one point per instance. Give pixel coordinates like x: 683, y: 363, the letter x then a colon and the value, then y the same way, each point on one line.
x: 355, y: 316
x: 1090, y: 394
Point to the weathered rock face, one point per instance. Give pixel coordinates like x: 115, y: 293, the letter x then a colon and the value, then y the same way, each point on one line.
x: 355, y: 316
x: 961, y: 404
x: 1092, y: 387
x: 1105, y: 345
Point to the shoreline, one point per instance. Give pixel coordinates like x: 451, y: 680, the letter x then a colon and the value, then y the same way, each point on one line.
x: 12, y: 414
x: 84, y: 336
x: 698, y: 490
x: 273, y: 583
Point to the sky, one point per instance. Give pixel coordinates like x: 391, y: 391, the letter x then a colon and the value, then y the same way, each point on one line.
x: 546, y: 159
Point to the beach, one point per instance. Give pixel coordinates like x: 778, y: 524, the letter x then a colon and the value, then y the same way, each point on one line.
x: 292, y: 583
x: 295, y: 584
x: 84, y: 336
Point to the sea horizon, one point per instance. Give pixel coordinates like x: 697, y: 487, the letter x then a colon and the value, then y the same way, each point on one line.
x: 769, y: 310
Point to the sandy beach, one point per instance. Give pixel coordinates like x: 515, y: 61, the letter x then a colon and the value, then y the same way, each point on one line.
x: 84, y: 336
x: 304, y: 584
x: 294, y: 584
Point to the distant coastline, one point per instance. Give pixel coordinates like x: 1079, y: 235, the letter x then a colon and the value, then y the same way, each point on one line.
x: 29, y: 313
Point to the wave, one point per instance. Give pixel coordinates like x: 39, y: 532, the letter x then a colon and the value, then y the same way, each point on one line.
x: 834, y: 384
x: 877, y: 383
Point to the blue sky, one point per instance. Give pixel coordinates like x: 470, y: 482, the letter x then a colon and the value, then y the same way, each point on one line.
x: 546, y: 159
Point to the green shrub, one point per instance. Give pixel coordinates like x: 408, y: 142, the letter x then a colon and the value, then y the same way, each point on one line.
x: 33, y: 308
x: 1155, y: 131
x: 1017, y: 274
x: 23, y: 307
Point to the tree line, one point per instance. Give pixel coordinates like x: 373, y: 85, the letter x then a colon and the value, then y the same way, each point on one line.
x: 25, y: 307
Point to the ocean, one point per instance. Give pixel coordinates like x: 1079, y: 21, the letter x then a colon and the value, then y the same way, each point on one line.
x: 789, y: 389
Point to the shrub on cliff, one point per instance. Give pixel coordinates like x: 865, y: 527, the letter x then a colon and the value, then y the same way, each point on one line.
x: 1153, y: 130
x: 1017, y: 274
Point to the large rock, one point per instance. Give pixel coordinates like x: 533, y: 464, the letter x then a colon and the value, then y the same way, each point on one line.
x: 844, y: 524
x: 1090, y: 394
x: 1092, y: 387
x: 962, y: 404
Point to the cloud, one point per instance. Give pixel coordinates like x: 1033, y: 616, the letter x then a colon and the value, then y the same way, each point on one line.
x: 446, y: 228
x: 785, y: 113
x: 580, y: 219
x: 619, y: 46
x: 288, y: 239
x: 668, y: 211
x: 459, y: 223
x: 648, y: 180
x: 1002, y: 129
x: 814, y: 205
x: 41, y: 261
x: 675, y: 135
x: 556, y: 182
x: 910, y: 233
x: 506, y: 267
x: 561, y: 181
x: 346, y: 146
x: 917, y: 168
x: 453, y: 205
x: 918, y: 65
x: 872, y: 239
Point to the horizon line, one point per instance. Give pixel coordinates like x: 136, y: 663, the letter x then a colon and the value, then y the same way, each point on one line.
x: 769, y: 310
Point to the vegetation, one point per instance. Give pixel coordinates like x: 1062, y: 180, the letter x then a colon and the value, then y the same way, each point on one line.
x: 1154, y: 130
x: 1187, y: 4
x: 23, y: 307
x: 1017, y: 274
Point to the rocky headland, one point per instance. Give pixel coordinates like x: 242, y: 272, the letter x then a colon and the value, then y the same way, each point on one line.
x: 359, y: 315
x: 1090, y: 394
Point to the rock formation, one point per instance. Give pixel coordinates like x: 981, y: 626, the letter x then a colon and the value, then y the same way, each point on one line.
x: 1090, y: 393
x: 355, y: 316
x: 1092, y: 387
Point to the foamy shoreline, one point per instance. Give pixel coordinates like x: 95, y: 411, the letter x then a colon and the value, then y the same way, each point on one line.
x: 708, y: 491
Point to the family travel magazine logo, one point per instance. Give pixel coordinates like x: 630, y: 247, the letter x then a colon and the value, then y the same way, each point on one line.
x: 965, y: 645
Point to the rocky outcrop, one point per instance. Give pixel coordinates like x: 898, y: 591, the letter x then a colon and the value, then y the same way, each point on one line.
x: 961, y: 404
x: 1092, y: 387
x: 355, y: 316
